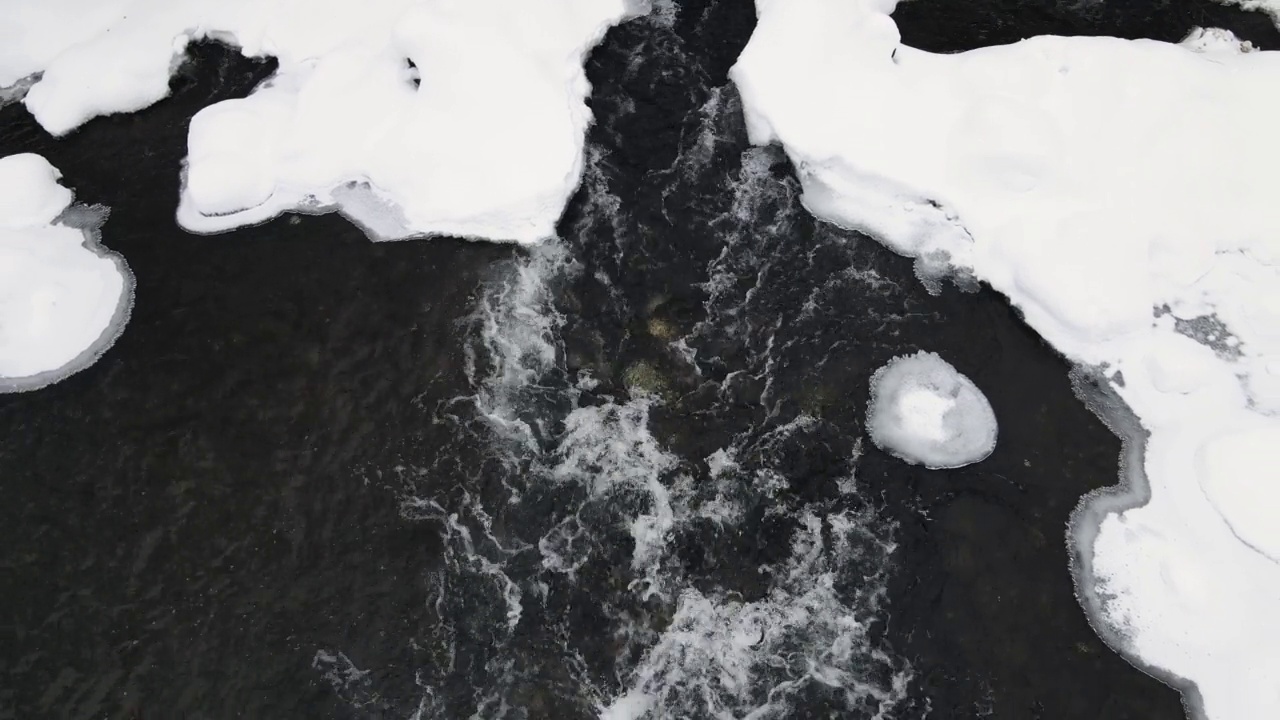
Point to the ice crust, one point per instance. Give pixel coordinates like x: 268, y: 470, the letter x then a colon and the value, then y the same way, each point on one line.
x: 1120, y: 194
x: 924, y: 411
x: 63, y: 299
x: 412, y: 117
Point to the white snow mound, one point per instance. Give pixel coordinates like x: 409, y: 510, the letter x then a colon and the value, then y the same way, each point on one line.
x: 412, y: 117
x: 925, y: 412
x: 61, y: 302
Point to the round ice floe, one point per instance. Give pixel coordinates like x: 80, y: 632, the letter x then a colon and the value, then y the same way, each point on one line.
x: 63, y: 299
x: 924, y: 411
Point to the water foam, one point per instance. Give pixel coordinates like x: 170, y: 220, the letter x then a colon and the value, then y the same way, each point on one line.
x: 724, y: 657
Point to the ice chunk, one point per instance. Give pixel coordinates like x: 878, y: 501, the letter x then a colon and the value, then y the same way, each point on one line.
x: 63, y: 299
x: 925, y: 412
x: 444, y: 116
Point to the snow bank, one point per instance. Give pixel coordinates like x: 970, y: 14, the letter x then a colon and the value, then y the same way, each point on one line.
x: 412, y: 117
x: 37, y: 31
x: 924, y: 411
x: 63, y: 300
x: 1120, y: 193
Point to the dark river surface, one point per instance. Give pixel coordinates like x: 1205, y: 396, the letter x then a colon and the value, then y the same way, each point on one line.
x: 319, y: 477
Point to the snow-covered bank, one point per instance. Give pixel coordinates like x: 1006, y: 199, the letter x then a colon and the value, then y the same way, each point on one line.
x: 63, y: 299
x: 411, y: 117
x: 1119, y: 193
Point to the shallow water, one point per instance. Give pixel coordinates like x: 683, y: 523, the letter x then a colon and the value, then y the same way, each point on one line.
x: 624, y: 471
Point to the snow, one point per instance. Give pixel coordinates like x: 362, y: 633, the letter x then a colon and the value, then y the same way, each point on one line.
x: 33, y: 34
x: 925, y: 412
x: 1120, y: 194
x: 29, y: 192
x: 62, y: 300
x: 412, y: 117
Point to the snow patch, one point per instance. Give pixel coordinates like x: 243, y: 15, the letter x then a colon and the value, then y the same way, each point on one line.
x: 63, y: 298
x: 1120, y: 194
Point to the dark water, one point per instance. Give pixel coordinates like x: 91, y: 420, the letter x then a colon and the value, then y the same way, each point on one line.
x: 319, y: 477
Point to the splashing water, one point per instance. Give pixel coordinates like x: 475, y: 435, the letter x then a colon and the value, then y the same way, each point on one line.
x: 623, y: 533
